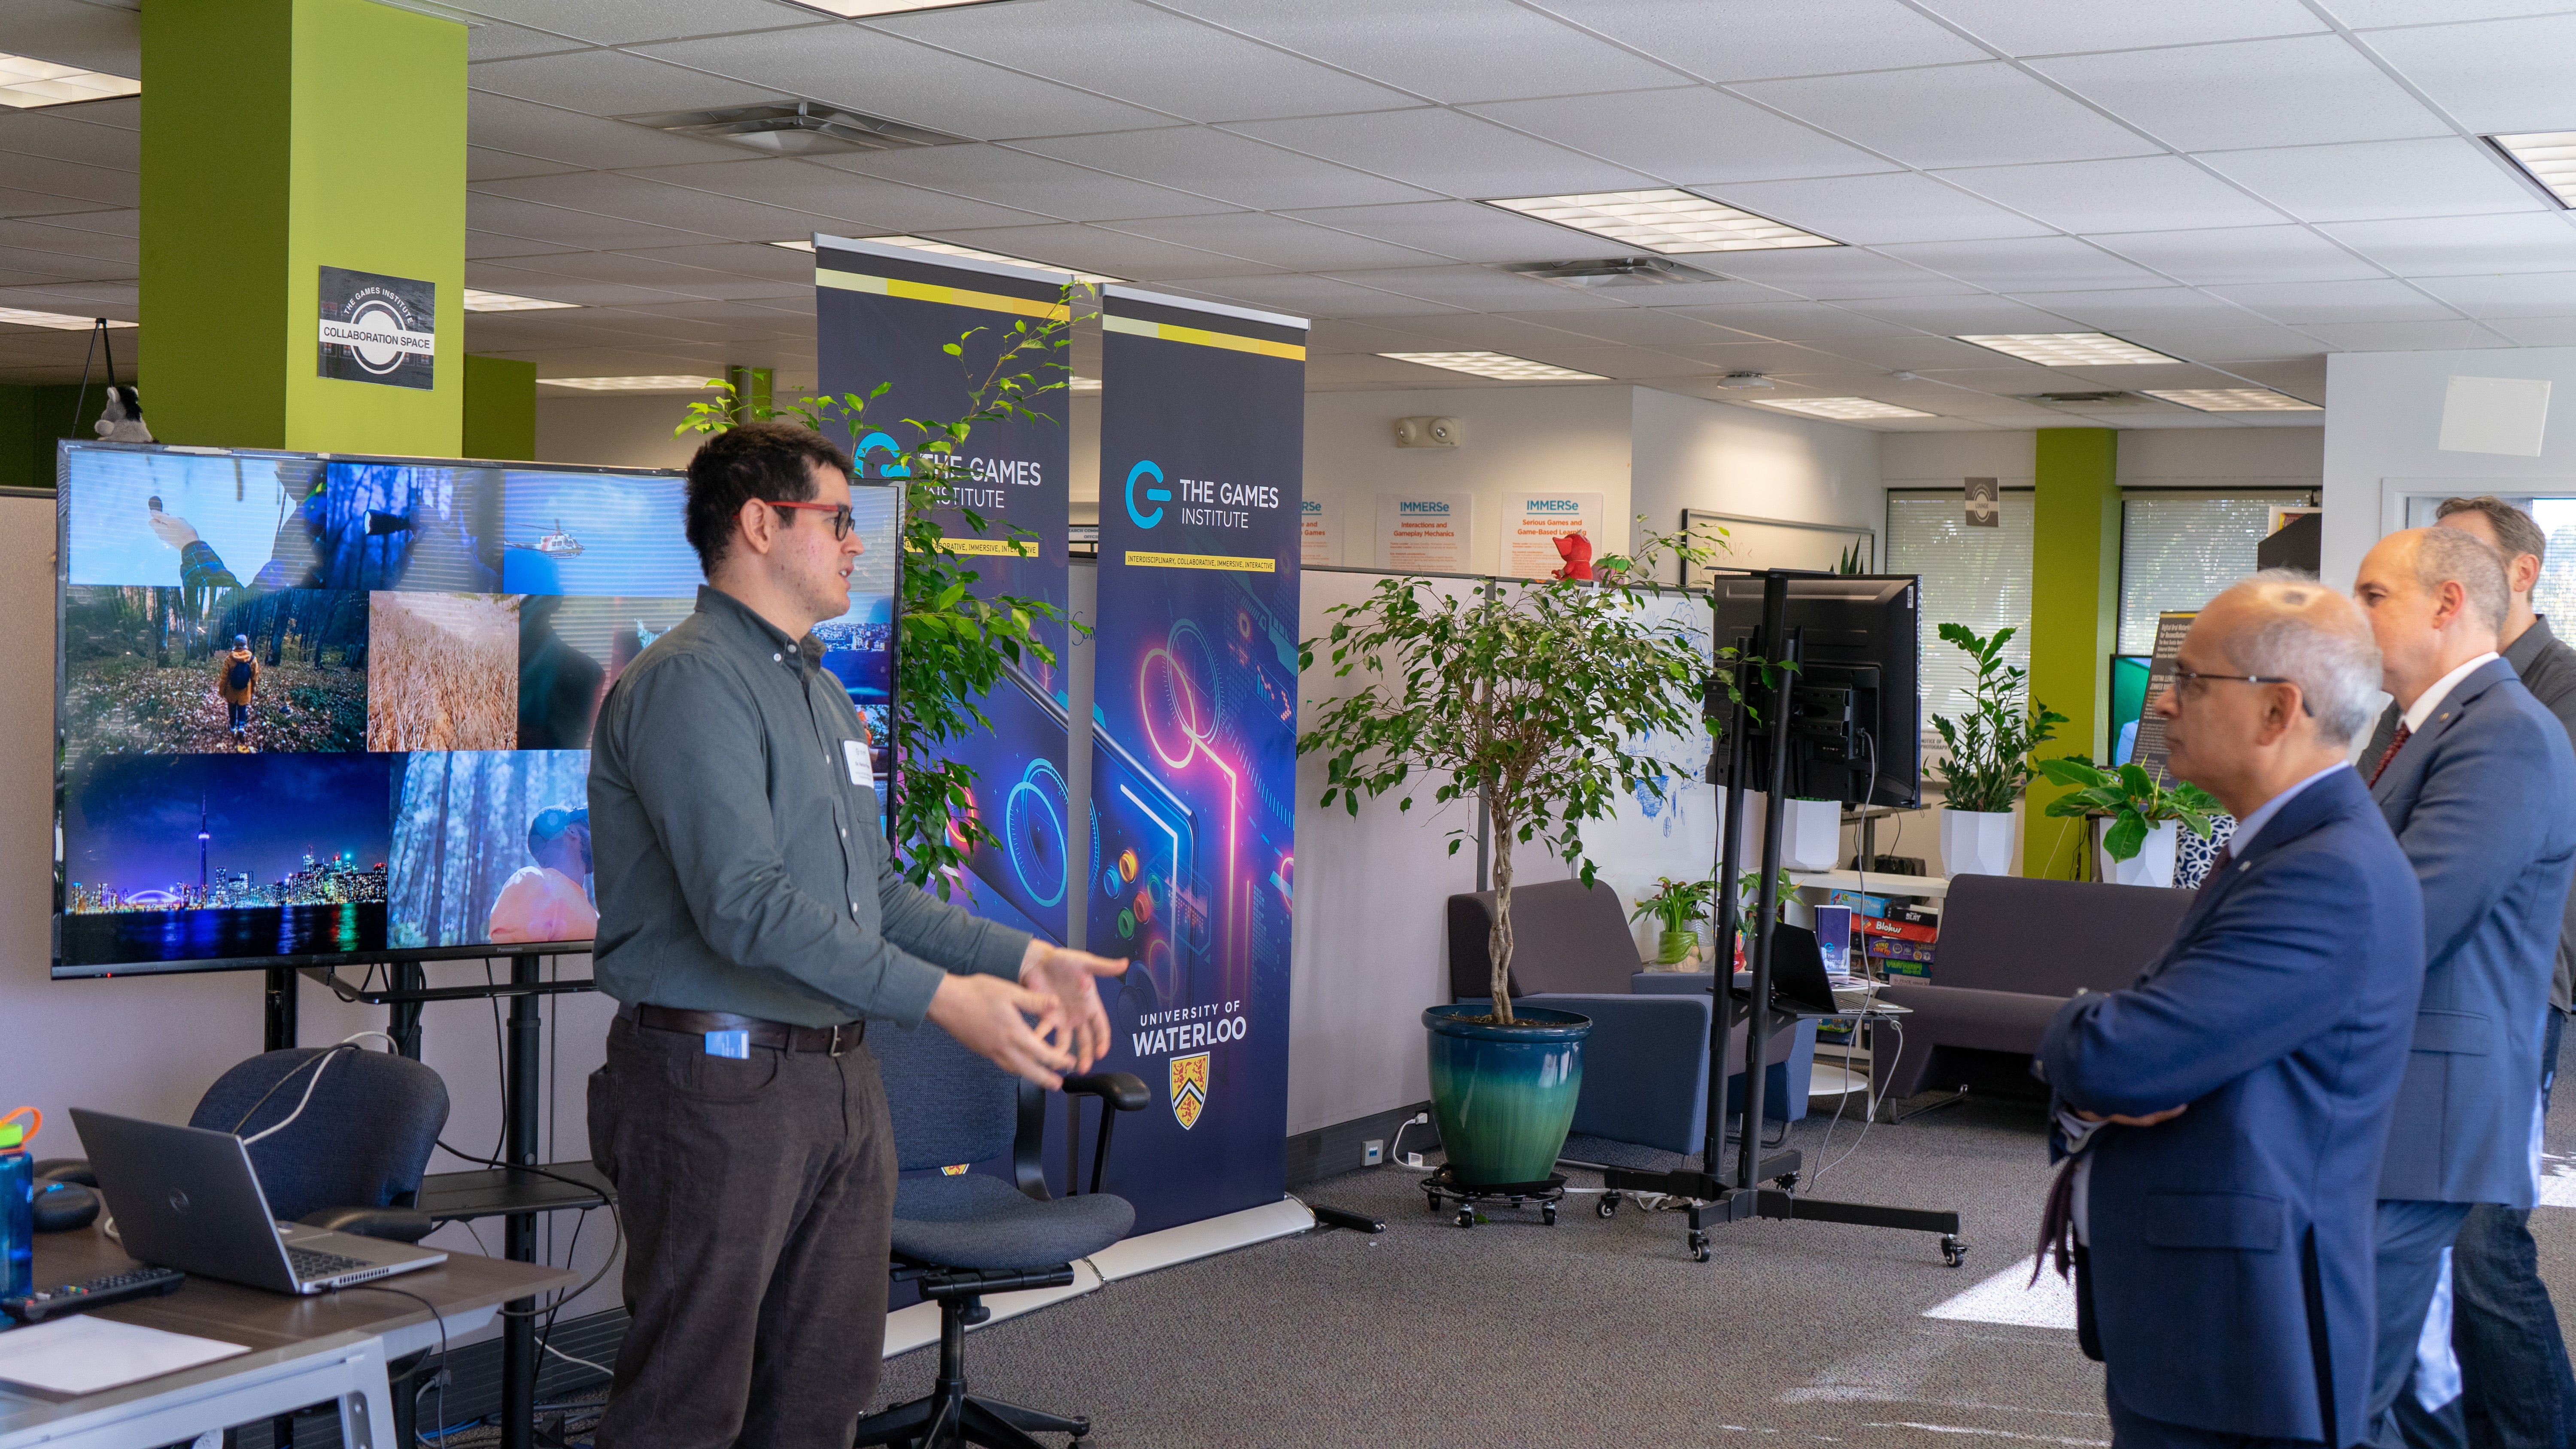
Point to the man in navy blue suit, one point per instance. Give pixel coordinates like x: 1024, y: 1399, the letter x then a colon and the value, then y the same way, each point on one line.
x: 2480, y: 787
x: 2223, y: 1118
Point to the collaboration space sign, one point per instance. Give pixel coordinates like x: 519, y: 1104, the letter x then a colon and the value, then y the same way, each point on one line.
x: 378, y: 329
x: 886, y: 314
x: 1193, y: 762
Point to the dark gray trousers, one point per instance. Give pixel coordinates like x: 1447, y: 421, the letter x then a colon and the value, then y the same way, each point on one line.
x: 757, y: 1197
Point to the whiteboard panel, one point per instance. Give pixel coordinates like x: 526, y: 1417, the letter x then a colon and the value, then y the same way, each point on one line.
x: 1778, y: 543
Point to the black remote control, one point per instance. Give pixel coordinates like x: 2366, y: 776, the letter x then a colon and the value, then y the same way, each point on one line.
x: 96, y: 1293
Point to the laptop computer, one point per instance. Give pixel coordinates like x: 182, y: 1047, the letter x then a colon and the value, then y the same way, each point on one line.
x: 1798, y: 978
x: 187, y: 1198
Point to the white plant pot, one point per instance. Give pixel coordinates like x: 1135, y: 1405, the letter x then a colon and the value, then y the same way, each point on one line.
x: 2154, y: 863
x: 1976, y: 842
x: 1811, y: 834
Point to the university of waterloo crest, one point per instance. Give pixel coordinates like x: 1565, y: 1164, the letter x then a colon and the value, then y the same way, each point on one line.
x: 1189, y: 1089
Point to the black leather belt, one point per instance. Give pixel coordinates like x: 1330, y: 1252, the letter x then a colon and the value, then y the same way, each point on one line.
x: 833, y: 1040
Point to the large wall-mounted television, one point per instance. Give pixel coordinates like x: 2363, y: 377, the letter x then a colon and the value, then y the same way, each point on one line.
x: 319, y: 709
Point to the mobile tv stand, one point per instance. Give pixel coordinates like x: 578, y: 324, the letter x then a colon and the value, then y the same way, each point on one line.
x: 516, y: 1188
x: 1710, y: 1194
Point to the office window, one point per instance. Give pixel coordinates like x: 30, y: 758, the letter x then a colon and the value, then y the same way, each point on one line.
x: 1979, y: 577
x: 2177, y: 550
x: 2554, y: 597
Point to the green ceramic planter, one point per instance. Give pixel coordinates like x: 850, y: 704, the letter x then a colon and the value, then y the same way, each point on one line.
x: 1504, y: 1095
x: 1674, y: 947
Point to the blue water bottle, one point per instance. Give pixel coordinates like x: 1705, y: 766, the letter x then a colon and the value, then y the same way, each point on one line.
x: 18, y: 1204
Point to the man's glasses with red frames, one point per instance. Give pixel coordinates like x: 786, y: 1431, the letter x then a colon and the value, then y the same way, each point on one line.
x: 840, y: 514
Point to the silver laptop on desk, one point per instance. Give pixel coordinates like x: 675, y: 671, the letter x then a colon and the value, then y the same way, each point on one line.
x: 188, y: 1199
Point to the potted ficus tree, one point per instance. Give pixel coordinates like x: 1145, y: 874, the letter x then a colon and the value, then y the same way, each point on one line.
x: 1540, y: 699
x: 2141, y: 844
x: 1988, y: 756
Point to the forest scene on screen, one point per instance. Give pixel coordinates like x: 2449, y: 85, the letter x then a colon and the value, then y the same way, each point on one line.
x: 157, y: 671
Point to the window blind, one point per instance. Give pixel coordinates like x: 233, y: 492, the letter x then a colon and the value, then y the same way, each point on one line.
x: 1979, y: 577
x: 2178, y: 550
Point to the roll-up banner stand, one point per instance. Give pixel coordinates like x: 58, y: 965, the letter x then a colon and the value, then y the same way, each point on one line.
x: 1194, y: 753
x: 885, y: 313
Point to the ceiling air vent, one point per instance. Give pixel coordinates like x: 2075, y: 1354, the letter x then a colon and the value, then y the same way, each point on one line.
x: 1612, y: 272
x: 807, y: 128
x: 2084, y: 399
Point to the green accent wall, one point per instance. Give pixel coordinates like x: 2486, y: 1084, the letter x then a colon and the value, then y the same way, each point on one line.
x: 500, y: 409
x: 279, y: 137
x: 2074, y: 621
x: 753, y: 389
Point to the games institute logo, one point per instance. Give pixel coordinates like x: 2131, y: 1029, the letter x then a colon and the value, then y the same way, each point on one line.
x: 1147, y: 469
x: 1189, y: 1089
x: 378, y: 329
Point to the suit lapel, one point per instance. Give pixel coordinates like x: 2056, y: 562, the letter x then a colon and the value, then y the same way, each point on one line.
x: 2312, y: 808
x: 2407, y: 768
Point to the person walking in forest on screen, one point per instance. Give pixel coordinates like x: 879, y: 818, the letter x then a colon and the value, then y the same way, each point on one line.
x: 237, y: 679
x: 550, y: 901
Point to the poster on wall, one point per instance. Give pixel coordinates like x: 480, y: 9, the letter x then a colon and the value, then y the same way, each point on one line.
x: 1321, y: 543
x: 885, y: 314
x: 1425, y: 532
x: 1538, y: 520
x: 1194, y: 744
x: 378, y: 329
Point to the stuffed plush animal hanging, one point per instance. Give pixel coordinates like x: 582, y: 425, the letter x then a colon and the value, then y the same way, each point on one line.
x: 1576, y: 550
x: 121, y: 420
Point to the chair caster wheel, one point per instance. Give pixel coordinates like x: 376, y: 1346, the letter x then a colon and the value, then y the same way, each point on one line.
x: 1547, y: 1215
x: 1699, y: 1247
x: 1788, y: 1182
x: 1953, y: 1252
x: 1466, y: 1217
x: 1608, y: 1207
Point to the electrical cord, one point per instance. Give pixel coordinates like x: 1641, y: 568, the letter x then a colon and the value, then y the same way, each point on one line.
x: 614, y: 1222
x: 436, y: 1316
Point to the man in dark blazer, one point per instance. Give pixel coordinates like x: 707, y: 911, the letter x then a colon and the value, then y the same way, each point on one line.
x: 2516, y: 1391
x: 2480, y: 788
x: 2223, y: 1118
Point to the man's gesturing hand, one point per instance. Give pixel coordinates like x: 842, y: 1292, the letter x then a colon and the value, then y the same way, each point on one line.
x: 1072, y: 978
x: 988, y: 1016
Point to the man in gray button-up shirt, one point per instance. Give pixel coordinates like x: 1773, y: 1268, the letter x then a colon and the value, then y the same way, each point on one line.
x: 751, y: 923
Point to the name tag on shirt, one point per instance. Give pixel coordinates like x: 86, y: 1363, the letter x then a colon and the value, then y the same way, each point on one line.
x: 734, y: 1044
x: 855, y: 755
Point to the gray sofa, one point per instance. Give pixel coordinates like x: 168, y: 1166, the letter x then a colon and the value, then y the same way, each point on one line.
x: 2011, y: 952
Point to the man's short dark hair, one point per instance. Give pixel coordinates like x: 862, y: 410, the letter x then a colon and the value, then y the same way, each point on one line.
x: 2516, y: 531
x: 747, y: 462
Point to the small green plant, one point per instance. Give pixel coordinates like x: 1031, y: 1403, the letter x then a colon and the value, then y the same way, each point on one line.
x: 1989, y: 749
x: 1849, y: 563
x: 1748, y: 894
x: 2131, y: 797
x: 1677, y: 905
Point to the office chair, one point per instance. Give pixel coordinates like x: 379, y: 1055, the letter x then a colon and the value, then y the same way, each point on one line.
x: 959, y: 1238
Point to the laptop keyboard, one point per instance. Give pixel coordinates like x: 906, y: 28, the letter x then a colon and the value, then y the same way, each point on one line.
x: 310, y: 1263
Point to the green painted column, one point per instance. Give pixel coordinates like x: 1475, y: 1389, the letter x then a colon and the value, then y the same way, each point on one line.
x: 2074, y: 620
x: 281, y: 137
x: 500, y: 409
x: 752, y: 390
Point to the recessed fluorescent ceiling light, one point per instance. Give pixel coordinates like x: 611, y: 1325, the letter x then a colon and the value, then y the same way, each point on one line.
x: 26, y: 84
x: 1840, y: 409
x: 2068, y: 349
x: 1496, y: 365
x: 1665, y: 221
x: 2550, y: 157
x: 56, y: 320
x: 477, y: 300
x: 668, y: 382
x: 854, y: 8
x: 2237, y: 400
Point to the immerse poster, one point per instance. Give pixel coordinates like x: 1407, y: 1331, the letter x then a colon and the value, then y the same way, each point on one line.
x: 885, y: 314
x: 1194, y: 759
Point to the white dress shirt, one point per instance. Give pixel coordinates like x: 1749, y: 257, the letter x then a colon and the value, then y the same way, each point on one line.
x: 2431, y: 699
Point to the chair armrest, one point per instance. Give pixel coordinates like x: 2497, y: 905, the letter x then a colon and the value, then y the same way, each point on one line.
x: 67, y: 1169
x: 1122, y: 1090
x: 400, y: 1225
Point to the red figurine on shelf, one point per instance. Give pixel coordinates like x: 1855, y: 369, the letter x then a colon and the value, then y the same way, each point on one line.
x: 1576, y: 550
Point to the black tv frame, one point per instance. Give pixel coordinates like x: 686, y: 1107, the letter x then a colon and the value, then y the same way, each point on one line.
x: 1880, y: 663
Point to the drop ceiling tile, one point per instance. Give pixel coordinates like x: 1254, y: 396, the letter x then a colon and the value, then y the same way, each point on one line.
x: 748, y: 315
x: 1459, y: 230
x: 2460, y: 246
x: 93, y: 187
x: 493, y: 40
x: 1475, y: 288
x: 121, y: 223
x: 1910, y: 353
x: 2530, y: 294
x: 1833, y: 274
x: 482, y: 163
x: 745, y: 259
x: 2248, y: 254
x: 1030, y: 183
x: 51, y: 266
x: 1306, y: 296
x: 587, y: 230
x: 2379, y: 180
x: 1364, y: 371
x: 2303, y: 90
x: 1956, y: 115
x: 613, y: 83
x: 1813, y: 322
x: 1109, y: 253
x: 2005, y: 378
x: 2137, y: 193
x: 1388, y: 334
x: 1638, y: 326
x: 2537, y: 331
x: 636, y: 199
x: 2016, y: 27
x: 1228, y: 167
x: 67, y: 32
x: 2364, y: 13
x: 2029, y: 264
x: 1446, y: 152
x: 2300, y: 377
x: 1689, y: 136
x: 15, y: 202
x: 868, y: 205
x: 1620, y: 364
x: 2168, y: 307
x: 885, y: 75
x: 52, y: 240
x: 1453, y: 51
x: 61, y: 135
x: 525, y: 128
x: 482, y: 245
x: 2404, y: 336
x: 592, y: 279
x: 1150, y: 57
x: 1684, y: 295
x: 1732, y: 40
x: 1770, y: 358
x: 2300, y: 303
x: 1277, y: 241
x: 1867, y: 210
x: 2495, y: 76
x: 622, y: 22
x: 1955, y: 316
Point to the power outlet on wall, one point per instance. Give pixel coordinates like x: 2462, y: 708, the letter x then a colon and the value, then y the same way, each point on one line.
x: 1373, y: 1152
